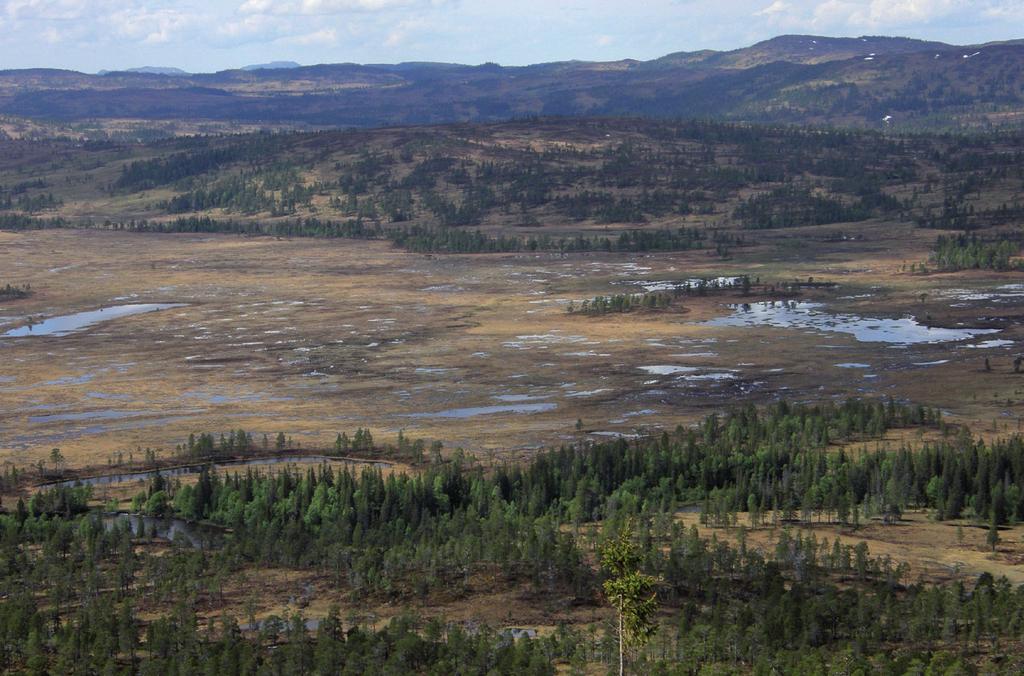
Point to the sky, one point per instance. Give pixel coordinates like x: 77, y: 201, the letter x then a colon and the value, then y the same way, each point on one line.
x: 210, y: 35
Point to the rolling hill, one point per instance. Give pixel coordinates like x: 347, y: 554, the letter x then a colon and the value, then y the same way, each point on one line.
x: 862, y: 82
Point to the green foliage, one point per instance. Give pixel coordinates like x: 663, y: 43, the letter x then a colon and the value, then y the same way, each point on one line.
x: 71, y: 583
x: 964, y: 252
x: 601, y: 305
x: 629, y: 590
x: 206, y: 446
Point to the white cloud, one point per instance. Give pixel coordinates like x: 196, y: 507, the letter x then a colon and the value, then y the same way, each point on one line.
x: 882, y: 13
x: 403, y: 31
x: 151, y: 26
x: 256, y: 7
x: 253, y: 26
x: 388, y: 23
x: 847, y: 16
x: 333, y: 7
x: 101, y: 21
x: 204, y: 34
x: 49, y: 10
x: 776, y: 7
x: 325, y: 36
x: 1005, y: 11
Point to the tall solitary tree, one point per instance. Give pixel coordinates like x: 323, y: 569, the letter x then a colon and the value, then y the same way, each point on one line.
x: 630, y: 591
x: 57, y: 460
x: 993, y: 535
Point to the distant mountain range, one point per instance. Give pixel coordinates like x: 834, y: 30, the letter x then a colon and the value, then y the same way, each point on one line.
x: 152, y: 70
x: 178, y: 72
x: 863, y: 82
x: 273, y: 65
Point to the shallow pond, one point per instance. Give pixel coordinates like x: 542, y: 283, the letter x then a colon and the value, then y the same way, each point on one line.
x: 198, y: 536
x: 667, y: 369
x: 808, y: 315
x: 65, y: 324
x: 986, y: 344
x: 1002, y: 294
x: 694, y: 283
x: 520, y: 397
x: 473, y: 411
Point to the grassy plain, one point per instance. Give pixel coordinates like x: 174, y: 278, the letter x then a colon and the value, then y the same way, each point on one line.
x: 314, y: 337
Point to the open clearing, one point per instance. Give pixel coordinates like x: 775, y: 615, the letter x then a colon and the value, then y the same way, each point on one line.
x: 932, y: 549
x: 316, y: 337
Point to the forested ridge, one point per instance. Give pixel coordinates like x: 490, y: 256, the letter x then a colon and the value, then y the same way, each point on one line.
x: 668, y: 185
x: 74, y: 588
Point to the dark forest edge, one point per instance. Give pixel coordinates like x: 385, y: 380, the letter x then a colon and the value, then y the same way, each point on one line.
x: 416, y: 239
x: 15, y: 291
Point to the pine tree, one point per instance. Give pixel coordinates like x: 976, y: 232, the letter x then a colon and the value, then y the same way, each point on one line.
x: 992, y: 539
x: 630, y: 591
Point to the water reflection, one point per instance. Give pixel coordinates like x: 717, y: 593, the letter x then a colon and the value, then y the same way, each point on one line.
x: 65, y: 324
x: 197, y: 535
x: 808, y: 315
x: 473, y: 411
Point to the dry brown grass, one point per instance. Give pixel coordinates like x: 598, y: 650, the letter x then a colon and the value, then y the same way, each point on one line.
x: 932, y: 549
x: 482, y: 600
x: 266, y: 317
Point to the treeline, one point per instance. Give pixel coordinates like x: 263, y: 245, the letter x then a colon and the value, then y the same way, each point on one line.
x: 968, y: 251
x: 29, y: 204
x: 427, y: 239
x: 389, y: 531
x: 73, y: 586
x: 413, y: 238
x: 299, y: 227
x: 19, y: 222
x: 12, y: 292
x: 601, y: 305
x: 207, y: 446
